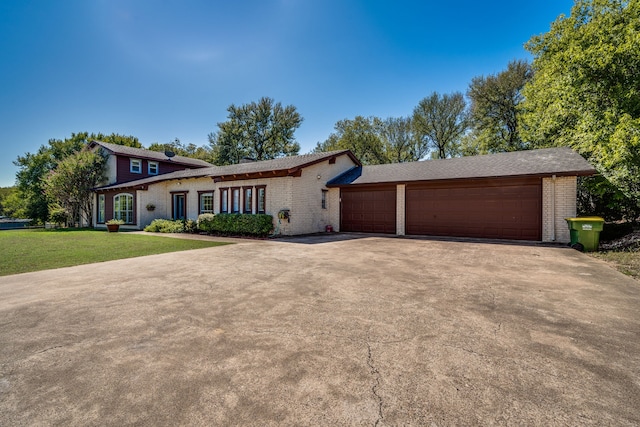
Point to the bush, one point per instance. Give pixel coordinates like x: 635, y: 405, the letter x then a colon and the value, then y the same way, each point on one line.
x: 165, y: 226
x: 59, y: 216
x: 236, y: 224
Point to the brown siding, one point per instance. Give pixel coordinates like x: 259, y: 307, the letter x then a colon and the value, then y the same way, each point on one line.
x: 492, y: 208
x: 368, y: 210
x: 124, y: 172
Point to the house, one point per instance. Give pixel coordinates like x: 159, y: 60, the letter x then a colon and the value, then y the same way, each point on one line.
x: 522, y: 195
x: 296, y: 184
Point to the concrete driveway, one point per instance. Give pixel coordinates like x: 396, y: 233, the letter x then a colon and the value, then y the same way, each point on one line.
x: 368, y: 331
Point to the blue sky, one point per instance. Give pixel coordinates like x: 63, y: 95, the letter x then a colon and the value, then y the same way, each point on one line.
x: 166, y: 70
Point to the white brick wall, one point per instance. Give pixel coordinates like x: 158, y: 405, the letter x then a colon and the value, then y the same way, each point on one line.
x: 400, y: 209
x: 307, y: 197
x: 558, y: 203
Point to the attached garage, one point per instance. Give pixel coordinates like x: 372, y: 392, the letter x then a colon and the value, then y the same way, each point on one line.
x: 524, y: 195
x: 491, y: 208
x: 368, y: 210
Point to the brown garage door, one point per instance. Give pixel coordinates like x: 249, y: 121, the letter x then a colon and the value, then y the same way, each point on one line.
x: 368, y: 210
x: 495, y: 209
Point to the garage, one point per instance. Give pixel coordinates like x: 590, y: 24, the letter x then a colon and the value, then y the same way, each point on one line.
x: 491, y: 208
x: 368, y: 210
x: 522, y: 195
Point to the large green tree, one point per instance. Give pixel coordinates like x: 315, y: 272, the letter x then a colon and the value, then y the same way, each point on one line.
x: 494, y: 115
x: 187, y: 150
x: 71, y: 184
x: 360, y: 135
x: 440, y: 121
x: 585, y: 92
x: 261, y: 130
x: 34, y: 167
x: 400, y: 143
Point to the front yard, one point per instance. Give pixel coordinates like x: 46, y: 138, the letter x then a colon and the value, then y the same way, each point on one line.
x: 23, y: 251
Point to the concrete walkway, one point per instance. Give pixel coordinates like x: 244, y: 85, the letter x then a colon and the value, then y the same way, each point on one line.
x: 344, y: 331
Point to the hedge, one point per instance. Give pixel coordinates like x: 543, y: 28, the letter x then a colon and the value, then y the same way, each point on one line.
x: 236, y: 224
x: 166, y: 226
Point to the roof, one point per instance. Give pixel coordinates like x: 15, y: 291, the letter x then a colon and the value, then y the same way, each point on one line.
x: 123, y: 150
x: 561, y: 161
x: 283, y: 166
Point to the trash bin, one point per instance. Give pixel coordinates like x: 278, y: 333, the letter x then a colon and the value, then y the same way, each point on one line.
x: 585, y: 232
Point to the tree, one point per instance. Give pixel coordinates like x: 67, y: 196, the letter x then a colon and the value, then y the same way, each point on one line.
x: 360, y: 135
x: 15, y: 206
x: 585, y: 92
x: 440, y: 122
x: 494, y: 115
x: 263, y: 131
x: 400, y: 143
x: 4, y: 193
x: 33, y: 168
x: 72, y: 182
x: 189, y: 150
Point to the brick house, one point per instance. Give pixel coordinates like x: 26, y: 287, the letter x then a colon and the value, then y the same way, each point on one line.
x: 523, y: 195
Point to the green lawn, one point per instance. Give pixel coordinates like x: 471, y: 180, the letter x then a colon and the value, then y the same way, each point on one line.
x: 22, y: 251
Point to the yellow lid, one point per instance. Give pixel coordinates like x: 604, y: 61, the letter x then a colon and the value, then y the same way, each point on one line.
x: 586, y: 218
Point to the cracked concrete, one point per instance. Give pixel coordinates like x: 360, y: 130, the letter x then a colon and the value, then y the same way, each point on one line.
x: 314, y: 331
x: 374, y: 389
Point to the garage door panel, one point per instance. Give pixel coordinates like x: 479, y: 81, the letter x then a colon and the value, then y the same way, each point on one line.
x: 488, y: 209
x: 369, y: 210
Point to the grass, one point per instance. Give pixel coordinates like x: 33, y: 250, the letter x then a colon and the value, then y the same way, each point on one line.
x: 628, y: 262
x: 23, y: 251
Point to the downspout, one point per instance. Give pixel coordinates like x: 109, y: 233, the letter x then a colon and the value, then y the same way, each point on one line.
x: 553, y: 207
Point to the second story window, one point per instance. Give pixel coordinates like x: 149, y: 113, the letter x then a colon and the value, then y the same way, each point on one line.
x: 153, y: 168
x: 135, y: 165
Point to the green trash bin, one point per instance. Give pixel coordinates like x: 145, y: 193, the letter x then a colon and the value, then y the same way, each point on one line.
x: 585, y: 232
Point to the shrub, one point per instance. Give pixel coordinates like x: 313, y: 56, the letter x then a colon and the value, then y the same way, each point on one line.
x: 59, y: 216
x: 236, y: 224
x: 190, y: 226
x: 165, y: 226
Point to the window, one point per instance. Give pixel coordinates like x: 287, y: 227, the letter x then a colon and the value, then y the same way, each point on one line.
x: 152, y: 167
x: 324, y: 199
x: 224, y: 200
x: 123, y: 207
x: 178, y: 205
x: 100, y: 209
x: 235, y: 200
x: 205, y: 203
x: 135, y: 165
x: 247, y: 199
x: 261, y: 202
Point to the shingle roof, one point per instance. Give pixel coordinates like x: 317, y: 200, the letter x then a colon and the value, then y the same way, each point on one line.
x: 548, y: 161
x: 282, y: 164
x: 149, y: 154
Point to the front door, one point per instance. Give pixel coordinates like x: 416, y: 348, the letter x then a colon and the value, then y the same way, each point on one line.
x: 179, y: 206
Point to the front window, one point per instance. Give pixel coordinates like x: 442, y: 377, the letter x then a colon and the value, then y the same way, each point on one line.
x: 248, y: 199
x: 224, y: 200
x: 261, y: 202
x: 123, y: 207
x: 101, y: 208
x: 206, y: 203
x: 324, y: 199
x: 153, y: 168
x: 235, y: 200
x: 135, y: 165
